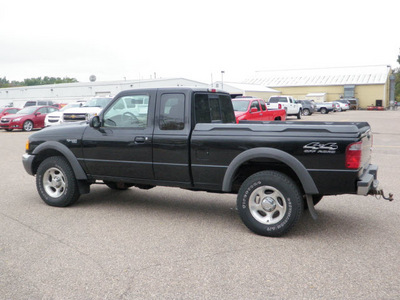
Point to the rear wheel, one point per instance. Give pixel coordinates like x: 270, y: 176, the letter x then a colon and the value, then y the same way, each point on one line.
x: 56, y: 182
x: 324, y: 110
x: 306, y: 112
x: 269, y: 203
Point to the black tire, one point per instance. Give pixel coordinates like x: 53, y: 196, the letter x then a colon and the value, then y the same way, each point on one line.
x: 299, y: 114
x: 270, y: 203
x: 56, y: 182
x: 324, y: 110
x: 121, y: 186
x: 27, y: 126
x: 8, y: 129
x: 306, y: 112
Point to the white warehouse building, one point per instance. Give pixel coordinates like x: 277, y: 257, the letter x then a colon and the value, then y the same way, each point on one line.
x: 67, y: 92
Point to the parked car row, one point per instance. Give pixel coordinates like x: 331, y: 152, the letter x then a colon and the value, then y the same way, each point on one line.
x: 246, y: 109
x: 27, y: 118
x: 36, y: 117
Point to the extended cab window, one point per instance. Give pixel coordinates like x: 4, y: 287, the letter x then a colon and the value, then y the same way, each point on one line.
x: 210, y: 108
x: 255, y: 104
x: 262, y: 103
x: 172, y: 113
x: 128, y: 111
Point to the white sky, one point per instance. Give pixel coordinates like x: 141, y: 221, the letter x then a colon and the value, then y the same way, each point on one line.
x: 192, y: 39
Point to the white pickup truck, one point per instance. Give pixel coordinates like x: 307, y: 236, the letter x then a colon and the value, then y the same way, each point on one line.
x: 287, y: 103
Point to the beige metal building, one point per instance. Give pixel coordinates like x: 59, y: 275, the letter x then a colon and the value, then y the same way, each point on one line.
x: 369, y: 84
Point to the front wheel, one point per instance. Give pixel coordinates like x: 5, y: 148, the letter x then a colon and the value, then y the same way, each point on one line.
x: 324, y: 111
x: 299, y: 114
x: 27, y: 126
x: 56, y: 182
x: 269, y: 203
x: 306, y: 112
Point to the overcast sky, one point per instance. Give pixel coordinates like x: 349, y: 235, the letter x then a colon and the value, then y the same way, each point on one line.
x: 192, y: 39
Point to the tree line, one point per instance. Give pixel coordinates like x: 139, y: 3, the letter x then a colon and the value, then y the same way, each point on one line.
x: 4, y: 83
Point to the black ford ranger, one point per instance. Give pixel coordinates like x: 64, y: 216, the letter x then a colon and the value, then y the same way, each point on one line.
x: 188, y: 138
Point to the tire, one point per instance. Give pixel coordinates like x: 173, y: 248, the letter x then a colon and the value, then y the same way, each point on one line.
x: 324, y: 110
x: 121, y: 186
x: 56, y: 182
x: 270, y: 203
x: 306, y: 112
x: 299, y: 114
x: 8, y: 129
x: 27, y: 126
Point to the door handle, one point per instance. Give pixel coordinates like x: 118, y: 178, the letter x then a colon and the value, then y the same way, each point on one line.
x: 141, y: 139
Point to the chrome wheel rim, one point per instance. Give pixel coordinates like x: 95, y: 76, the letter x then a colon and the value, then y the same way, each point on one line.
x: 267, y: 205
x: 28, y: 126
x: 54, y: 182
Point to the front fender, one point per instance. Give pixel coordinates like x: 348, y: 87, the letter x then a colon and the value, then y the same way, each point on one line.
x: 271, y: 153
x: 67, y: 153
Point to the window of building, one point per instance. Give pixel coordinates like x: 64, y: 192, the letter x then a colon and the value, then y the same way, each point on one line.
x: 349, y: 91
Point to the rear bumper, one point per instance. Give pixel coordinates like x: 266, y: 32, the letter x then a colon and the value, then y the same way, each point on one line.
x: 368, y: 181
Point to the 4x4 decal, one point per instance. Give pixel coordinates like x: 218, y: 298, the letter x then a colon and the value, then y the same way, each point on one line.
x: 317, y: 147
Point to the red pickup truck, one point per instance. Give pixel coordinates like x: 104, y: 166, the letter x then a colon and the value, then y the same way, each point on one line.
x: 255, y: 109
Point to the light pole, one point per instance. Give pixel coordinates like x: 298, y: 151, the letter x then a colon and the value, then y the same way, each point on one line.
x: 222, y: 79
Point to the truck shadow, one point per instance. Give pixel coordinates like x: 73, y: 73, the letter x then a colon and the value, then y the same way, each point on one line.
x: 168, y: 202
x: 216, y: 208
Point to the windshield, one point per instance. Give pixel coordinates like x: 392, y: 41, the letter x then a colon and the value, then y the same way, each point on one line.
x: 27, y: 110
x: 1, y: 110
x: 97, y: 102
x: 240, y: 105
x: 71, y: 105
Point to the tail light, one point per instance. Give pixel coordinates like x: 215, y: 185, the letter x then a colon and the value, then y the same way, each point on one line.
x: 279, y: 106
x: 353, y: 155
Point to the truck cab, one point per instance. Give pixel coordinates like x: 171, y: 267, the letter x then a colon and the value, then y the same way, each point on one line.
x: 287, y: 103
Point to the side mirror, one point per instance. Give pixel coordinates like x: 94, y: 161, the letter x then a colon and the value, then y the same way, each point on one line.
x: 253, y: 110
x: 38, y: 114
x: 95, y: 122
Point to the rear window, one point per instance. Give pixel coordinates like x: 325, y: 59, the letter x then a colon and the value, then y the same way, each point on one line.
x: 30, y: 103
x: 277, y: 99
x: 213, y: 108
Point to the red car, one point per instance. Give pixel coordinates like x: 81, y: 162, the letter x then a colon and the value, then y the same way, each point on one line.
x: 254, y: 109
x: 8, y: 110
x: 27, y: 118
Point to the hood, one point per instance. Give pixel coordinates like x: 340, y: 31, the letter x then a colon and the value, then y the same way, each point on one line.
x: 56, y: 113
x: 13, y: 116
x: 63, y: 130
x: 82, y: 109
x: 239, y: 113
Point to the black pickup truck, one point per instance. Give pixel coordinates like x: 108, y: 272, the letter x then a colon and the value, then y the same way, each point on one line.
x: 188, y: 138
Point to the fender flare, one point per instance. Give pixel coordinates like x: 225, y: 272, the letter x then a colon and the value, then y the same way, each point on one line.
x: 67, y: 153
x: 278, y: 155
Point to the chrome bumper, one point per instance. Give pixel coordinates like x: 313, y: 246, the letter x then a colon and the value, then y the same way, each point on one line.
x: 368, y: 182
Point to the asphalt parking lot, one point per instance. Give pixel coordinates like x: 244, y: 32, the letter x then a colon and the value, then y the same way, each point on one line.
x: 168, y: 243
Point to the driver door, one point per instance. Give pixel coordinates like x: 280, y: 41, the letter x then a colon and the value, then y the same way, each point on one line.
x: 122, y: 146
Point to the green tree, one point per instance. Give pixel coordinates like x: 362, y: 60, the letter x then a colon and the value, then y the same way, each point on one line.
x: 397, y: 82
